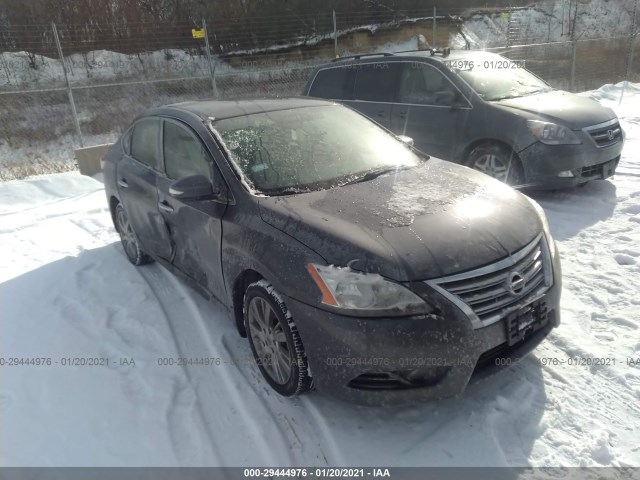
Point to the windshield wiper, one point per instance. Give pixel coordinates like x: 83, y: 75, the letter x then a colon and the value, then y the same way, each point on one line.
x: 285, y: 191
x: 523, y: 94
x: 375, y: 173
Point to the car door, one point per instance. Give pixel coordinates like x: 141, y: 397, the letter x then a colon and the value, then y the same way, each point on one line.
x: 137, y: 176
x: 195, y: 225
x: 374, y: 90
x: 429, y: 109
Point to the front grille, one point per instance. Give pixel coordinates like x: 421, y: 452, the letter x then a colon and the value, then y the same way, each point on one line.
x: 606, y: 134
x: 489, y: 293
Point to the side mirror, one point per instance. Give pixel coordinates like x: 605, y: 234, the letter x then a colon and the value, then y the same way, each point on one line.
x: 193, y: 187
x: 405, y: 139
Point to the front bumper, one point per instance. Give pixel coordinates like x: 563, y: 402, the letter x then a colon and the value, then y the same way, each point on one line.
x: 368, y: 360
x: 542, y: 163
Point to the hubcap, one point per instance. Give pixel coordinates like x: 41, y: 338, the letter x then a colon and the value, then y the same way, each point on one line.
x: 269, y: 340
x: 493, y: 166
x: 127, y: 236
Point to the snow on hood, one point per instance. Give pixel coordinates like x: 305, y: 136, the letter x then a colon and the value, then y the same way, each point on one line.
x: 572, y: 110
x: 420, y: 223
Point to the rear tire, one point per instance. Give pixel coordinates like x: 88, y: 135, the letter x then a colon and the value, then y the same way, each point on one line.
x: 275, y: 341
x: 498, y: 162
x: 132, y: 248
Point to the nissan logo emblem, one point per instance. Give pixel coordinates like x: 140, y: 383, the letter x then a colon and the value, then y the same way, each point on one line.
x: 515, y: 283
x: 610, y: 134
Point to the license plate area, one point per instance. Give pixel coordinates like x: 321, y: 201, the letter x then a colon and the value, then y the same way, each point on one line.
x: 609, y: 168
x: 527, y: 320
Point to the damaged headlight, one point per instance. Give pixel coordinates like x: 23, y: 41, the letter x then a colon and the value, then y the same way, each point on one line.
x: 352, y: 291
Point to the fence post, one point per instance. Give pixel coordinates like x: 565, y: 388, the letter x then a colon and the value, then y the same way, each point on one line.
x: 433, y: 34
x: 66, y: 79
x: 212, y: 68
x: 335, y: 35
x: 574, y: 48
x: 632, y: 47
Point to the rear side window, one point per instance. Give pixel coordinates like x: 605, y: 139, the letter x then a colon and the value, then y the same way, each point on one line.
x: 145, y: 142
x: 377, y: 82
x: 331, y: 83
x: 184, y: 154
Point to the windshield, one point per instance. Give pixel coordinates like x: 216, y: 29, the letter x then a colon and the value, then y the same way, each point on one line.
x: 496, y: 78
x: 311, y: 148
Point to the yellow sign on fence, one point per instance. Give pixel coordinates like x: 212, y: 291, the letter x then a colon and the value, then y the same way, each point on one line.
x: 197, y: 32
x: 505, y: 16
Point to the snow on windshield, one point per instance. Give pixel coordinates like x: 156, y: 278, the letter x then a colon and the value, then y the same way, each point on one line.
x: 494, y: 77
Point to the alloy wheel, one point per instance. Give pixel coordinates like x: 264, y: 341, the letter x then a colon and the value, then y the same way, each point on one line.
x: 493, y: 166
x: 269, y: 340
x: 127, y: 235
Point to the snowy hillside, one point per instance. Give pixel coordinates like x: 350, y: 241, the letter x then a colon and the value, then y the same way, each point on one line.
x: 548, y: 21
x: 68, y: 292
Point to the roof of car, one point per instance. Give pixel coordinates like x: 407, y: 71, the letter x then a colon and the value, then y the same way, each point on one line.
x: 228, y: 109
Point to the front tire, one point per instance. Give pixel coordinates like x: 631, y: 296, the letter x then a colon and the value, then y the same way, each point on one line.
x: 129, y: 239
x: 275, y: 341
x: 498, y: 162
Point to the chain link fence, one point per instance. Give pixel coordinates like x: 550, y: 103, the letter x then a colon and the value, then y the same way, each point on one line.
x: 78, y: 86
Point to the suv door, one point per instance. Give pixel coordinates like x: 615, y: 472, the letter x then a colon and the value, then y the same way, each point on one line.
x: 429, y: 109
x: 137, y: 175
x: 195, y: 225
x: 374, y: 90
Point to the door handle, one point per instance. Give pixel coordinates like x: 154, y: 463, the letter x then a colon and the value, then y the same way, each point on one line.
x: 123, y: 183
x: 165, y: 207
x: 381, y: 113
x: 403, y: 115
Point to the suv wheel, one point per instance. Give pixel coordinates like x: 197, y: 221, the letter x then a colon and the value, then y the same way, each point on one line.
x: 497, y: 162
x: 129, y: 239
x: 275, y: 342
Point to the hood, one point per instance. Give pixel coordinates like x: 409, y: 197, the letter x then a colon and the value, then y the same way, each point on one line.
x: 574, y: 111
x: 420, y: 223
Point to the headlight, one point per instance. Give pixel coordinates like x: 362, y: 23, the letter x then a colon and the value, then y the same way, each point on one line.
x: 346, y: 289
x: 552, y: 134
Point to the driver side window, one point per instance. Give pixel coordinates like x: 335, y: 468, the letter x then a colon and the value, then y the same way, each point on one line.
x: 184, y: 154
x: 424, y: 85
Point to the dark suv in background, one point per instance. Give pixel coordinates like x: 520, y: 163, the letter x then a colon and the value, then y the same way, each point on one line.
x: 481, y: 110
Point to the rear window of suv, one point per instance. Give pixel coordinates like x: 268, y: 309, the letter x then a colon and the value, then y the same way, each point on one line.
x: 331, y: 83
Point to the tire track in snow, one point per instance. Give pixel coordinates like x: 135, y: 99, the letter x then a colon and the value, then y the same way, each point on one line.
x: 336, y: 457
x: 264, y: 451
x: 312, y: 418
x: 181, y: 401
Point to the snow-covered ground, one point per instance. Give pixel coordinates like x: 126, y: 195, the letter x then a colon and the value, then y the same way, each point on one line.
x: 67, y: 291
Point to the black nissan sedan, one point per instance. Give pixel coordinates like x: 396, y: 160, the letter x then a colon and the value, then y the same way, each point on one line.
x: 353, y: 263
